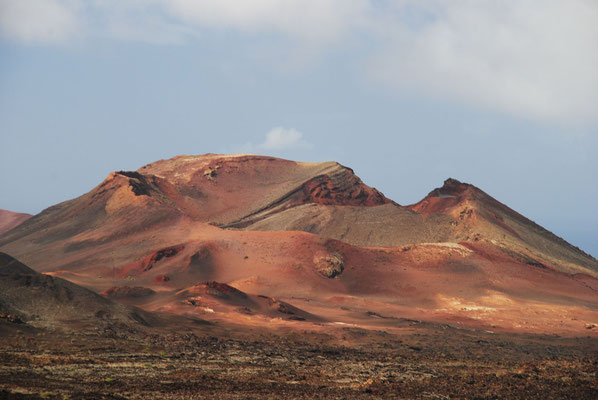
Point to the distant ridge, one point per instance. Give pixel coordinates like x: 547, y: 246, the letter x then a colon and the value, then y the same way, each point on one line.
x: 10, y: 219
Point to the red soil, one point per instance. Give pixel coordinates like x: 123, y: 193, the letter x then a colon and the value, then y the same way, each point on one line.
x: 457, y: 257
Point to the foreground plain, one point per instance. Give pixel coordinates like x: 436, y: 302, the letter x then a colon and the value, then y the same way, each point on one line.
x: 426, y: 362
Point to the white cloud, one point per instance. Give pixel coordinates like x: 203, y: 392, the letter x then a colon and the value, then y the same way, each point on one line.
x: 127, y: 21
x: 314, y: 20
x: 277, y: 140
x: 280, y: 138
x: 531, y: 59
x: 39, y: 21
x: 525, y: 58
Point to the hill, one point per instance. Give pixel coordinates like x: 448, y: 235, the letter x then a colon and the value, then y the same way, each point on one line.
x: 315, y: 237
x: 51, y: 302
x: 10, y: 219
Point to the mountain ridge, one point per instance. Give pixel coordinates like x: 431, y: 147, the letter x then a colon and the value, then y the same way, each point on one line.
x: 271, y: 194
x: 313, y: 236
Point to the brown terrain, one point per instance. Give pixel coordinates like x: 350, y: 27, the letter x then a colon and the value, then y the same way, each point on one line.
x: 9, y: 220
x: 255, y: 277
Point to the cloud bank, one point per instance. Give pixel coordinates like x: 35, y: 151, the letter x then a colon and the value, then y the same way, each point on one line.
x: 39, y: 21
x: 524, y: 58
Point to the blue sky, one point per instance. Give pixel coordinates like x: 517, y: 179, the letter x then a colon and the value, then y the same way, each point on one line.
x: 500, y: 94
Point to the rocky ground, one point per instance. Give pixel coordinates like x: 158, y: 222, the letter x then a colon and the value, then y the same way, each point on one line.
x: 423, y: 363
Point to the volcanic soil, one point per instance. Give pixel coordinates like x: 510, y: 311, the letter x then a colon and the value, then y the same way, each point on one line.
x: 251, y: 276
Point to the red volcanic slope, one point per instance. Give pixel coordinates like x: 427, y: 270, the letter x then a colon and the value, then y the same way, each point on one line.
x: 233, y: 189
x: 456, y: 212
x: 316, y: 241
x: 481, y: 217
x: 218, y: 190
x: 9, y: 220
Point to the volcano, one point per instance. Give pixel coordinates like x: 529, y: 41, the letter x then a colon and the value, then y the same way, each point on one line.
x: 273, y: 242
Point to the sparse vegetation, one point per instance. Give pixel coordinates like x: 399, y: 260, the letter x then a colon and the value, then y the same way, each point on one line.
x: 302, y: 365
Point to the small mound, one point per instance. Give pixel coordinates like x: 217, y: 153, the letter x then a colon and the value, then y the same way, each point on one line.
x: 217, y: 289
x: 280, y: 309
x: 43, y: 300
x: 119, y: 292
x: 280, y: 306
x: 148, y: 262
x: 161, y: 279
x: 159, y: 255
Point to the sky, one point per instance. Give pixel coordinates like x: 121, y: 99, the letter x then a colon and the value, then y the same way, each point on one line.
x: 500, y: 94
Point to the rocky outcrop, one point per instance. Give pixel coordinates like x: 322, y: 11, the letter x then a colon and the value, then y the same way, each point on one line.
x: 329, y: 265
